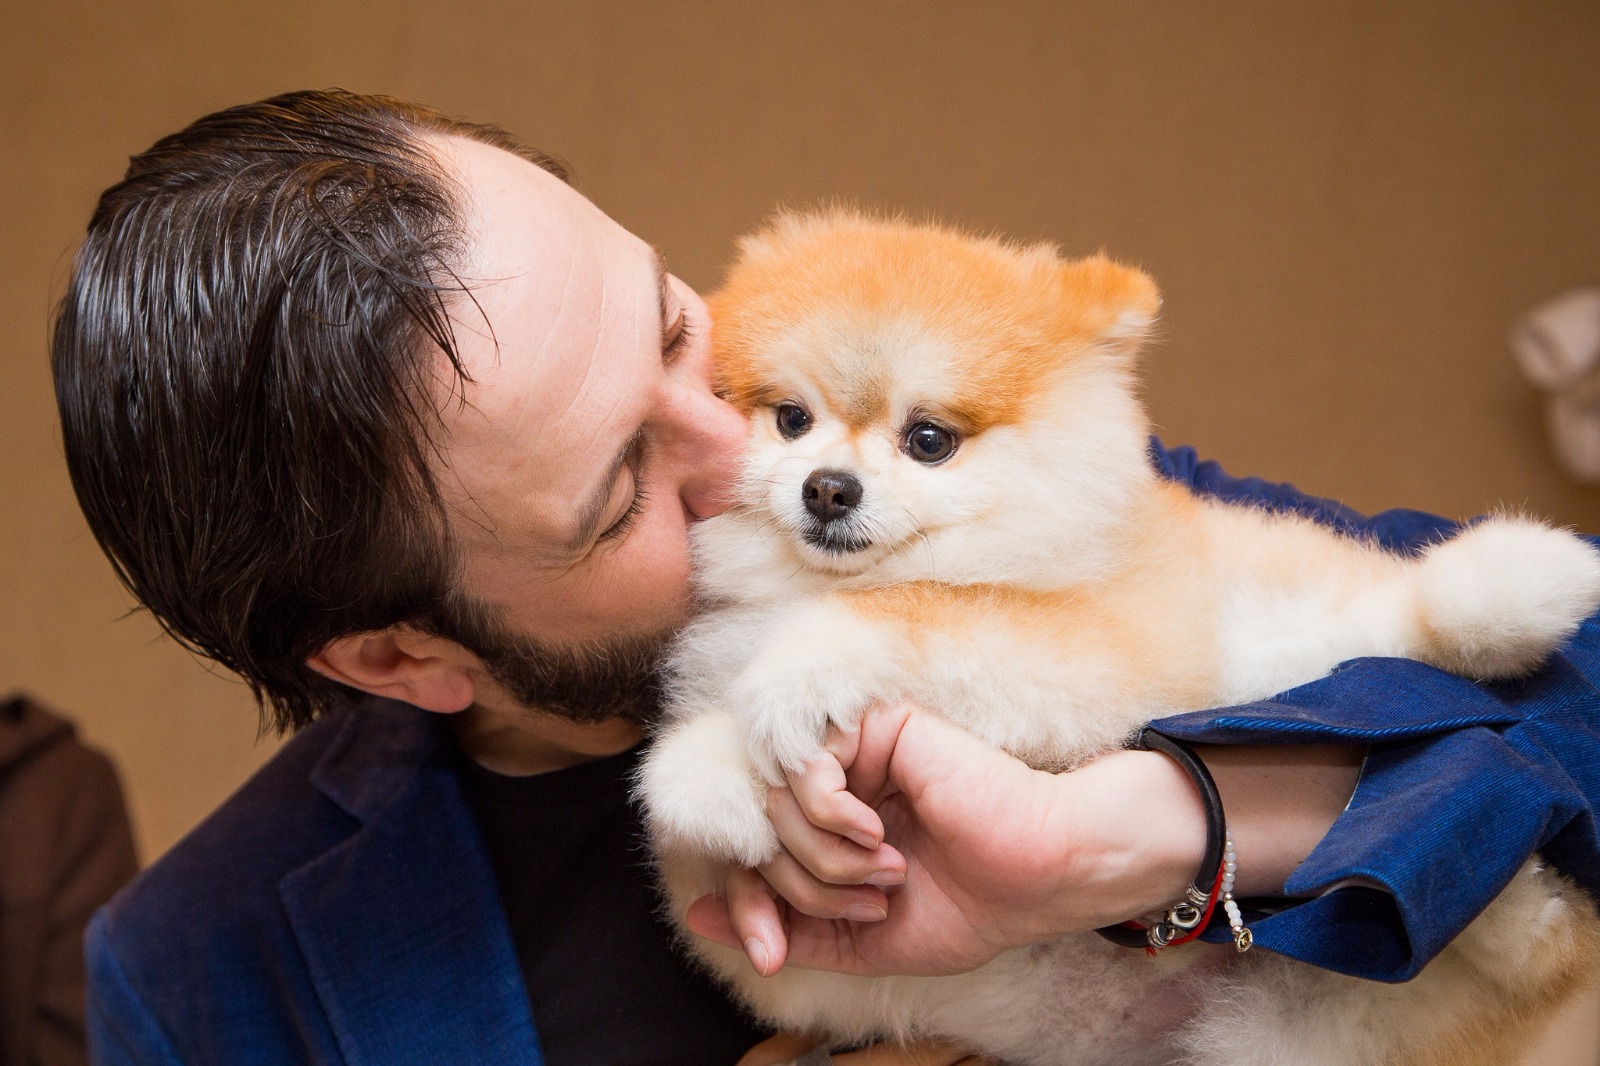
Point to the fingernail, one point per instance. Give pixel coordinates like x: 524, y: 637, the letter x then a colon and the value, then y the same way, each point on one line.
x: 868, y: 842
x: 886, y: 878
x: 758, y: 955
x: 864, y: 912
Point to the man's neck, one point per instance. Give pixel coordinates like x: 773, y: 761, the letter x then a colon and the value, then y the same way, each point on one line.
x: 519, y: 742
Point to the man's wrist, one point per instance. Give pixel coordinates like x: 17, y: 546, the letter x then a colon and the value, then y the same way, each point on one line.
x: 1132, y: 837
x: 1280, y: 801
x: 1143, y: 823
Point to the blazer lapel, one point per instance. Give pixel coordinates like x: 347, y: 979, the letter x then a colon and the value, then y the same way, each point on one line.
x: 401, y: 923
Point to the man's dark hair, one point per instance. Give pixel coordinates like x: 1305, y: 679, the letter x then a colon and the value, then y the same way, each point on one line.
x: 245, y: 367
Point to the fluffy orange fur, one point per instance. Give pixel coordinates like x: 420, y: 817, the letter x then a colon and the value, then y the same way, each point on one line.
x: 1008, y: 315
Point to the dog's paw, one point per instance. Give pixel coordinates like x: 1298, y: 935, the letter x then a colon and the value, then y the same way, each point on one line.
x: 1502, y: 595
x: 701, y: 794
x: 822, y: 666
x: 782, y: 734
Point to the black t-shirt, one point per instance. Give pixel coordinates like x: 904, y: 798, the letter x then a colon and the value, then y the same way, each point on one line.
x: 605, y: 982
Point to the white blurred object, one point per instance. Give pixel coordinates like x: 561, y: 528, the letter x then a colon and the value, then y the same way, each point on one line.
x: 1557, y: 344
x: 1574, y: 421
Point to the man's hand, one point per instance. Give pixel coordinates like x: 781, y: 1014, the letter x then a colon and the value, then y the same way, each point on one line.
x: 996, y: 855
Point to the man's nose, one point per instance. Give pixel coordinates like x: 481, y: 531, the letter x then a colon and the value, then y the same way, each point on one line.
x: 713, y: 434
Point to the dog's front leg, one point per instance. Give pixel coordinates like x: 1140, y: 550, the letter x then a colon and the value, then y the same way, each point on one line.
x: 701, y: 793
x: 822, y: 664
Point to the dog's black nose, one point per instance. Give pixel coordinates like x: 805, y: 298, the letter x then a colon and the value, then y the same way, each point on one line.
x: 831, y: 494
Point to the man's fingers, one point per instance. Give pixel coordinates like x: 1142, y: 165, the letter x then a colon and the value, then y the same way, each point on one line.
x: 746, y: 917
x: 749, y: 915
x: 707, y: 917
x: 804, y: 893
x: 842, y: 744
x: 820, y: 944
x: 916, y: 751
x: 809, y: 943
x: 867, y: 774
x: 824, y: 796
x: 822, y: 851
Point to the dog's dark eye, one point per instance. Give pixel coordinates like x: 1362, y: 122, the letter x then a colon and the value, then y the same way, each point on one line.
x: 793, y: 420
x: 928, y: 443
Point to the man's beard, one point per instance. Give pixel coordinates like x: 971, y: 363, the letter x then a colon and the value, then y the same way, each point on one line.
x: 596, y: 682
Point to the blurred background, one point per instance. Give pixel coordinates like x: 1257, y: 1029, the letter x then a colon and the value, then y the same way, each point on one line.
x: 1346, y: 204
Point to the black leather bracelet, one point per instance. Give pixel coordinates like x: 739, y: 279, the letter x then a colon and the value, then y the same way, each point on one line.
x: 1183, y: 917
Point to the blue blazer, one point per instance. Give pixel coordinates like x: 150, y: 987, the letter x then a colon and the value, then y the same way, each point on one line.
x: 340, y: 907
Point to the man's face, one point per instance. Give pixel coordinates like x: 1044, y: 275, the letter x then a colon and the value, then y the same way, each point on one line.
x: 588, y: 439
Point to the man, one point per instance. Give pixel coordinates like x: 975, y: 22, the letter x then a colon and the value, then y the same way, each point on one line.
x: 371, y: 407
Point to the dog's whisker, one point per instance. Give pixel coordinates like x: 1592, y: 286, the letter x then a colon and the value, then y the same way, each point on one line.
x: 792, y: 574
x: 922, y: 534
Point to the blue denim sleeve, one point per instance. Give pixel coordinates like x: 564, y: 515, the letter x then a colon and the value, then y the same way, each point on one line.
x: 1462, y: 783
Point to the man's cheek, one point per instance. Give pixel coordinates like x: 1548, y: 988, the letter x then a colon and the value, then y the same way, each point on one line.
x: 657, y: 567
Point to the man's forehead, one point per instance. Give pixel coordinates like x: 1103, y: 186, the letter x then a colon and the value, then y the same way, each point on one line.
x: 519, y: 219
x: 561, y: 299
x: 547, y: 273
x: 517, y: 214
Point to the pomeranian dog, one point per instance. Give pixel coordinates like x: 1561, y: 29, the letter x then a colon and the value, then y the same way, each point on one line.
x: 947, y: 498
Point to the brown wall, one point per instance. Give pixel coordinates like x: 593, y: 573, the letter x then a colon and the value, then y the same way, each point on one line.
x: 1346, y: 205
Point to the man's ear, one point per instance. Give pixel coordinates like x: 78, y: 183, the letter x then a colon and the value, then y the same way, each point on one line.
x: 401, y: 664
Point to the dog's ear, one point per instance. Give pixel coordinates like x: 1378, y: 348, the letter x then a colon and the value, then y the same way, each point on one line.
x: 1111, y: 305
